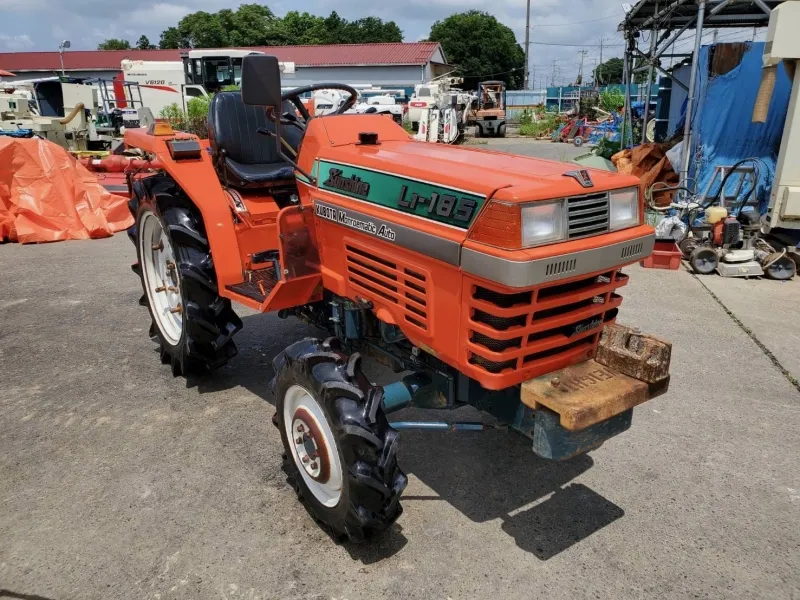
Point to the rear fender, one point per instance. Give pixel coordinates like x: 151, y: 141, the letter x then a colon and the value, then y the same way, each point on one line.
x: 199, y: 181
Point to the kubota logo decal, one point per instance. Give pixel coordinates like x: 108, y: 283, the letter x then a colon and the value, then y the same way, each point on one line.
x: 340, y: 216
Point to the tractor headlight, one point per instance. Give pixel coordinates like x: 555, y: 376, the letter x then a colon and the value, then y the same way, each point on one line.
x: 543, y: 223
x: 623, y: 208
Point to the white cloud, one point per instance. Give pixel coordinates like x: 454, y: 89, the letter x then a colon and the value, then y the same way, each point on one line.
x: 15, y: 42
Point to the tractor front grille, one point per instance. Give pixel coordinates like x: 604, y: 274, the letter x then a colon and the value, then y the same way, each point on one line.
x: 540, y: 329
x: 587, y: 215
x: 380, y: 277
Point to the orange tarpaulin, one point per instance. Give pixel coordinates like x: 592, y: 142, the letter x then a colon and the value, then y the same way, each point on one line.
x: 46, y: 196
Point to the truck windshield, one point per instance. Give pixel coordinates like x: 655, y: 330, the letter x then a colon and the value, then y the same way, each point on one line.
x: 423, y: 91
x: 237, y: 71
x: 217, y: 73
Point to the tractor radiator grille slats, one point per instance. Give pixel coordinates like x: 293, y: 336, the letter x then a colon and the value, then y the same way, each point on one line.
x: 587, y: 215
x: 542, y: 327
x: 379, y: 278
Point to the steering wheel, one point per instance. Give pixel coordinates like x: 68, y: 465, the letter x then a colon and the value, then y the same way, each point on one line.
x: 294, y: 97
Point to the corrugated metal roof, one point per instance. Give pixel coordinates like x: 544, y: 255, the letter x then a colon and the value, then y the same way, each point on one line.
x: 401, y: 53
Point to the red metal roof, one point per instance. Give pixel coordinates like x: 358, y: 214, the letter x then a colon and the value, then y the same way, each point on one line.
x: 400, y: 53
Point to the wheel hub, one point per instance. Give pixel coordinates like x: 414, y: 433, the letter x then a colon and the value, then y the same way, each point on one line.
x: 161, y: 279
x: 312, y: 444
x: 310, y: 447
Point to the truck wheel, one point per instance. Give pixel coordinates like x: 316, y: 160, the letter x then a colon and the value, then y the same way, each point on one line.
x: 192, y: 324
x: 340, y: 452
x: 501, y: 131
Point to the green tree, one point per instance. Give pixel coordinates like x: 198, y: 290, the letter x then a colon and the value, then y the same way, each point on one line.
x: 144, y: 44
x: 203, y: 30
x: 302, y: 28
x: 257, y: 25
x: 251, y: 25
x: 114, y: 44
x: 609, y: 72
x: 171, y: 38
x: 481, y: 47
x: 370, y: 30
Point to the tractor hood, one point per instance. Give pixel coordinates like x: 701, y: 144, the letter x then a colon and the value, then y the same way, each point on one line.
x: 487, y: 173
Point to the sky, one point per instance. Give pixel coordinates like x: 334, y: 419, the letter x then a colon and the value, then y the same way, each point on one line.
x: 560, y: 29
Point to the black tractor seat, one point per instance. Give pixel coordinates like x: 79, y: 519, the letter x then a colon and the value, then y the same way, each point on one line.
x: 244, y: 157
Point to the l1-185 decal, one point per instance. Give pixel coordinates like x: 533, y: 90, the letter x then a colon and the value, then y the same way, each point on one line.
x: 434, y: 202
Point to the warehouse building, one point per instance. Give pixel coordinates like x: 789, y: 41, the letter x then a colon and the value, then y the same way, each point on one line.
x: 389, y: 65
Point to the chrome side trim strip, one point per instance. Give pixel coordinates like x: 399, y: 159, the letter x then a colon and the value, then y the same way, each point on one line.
x: 430, y: 245
x: 544, y: 270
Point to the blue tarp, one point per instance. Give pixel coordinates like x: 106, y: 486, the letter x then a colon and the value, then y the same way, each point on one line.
x: 607, y: 129
x: 723, y: 132
x: 17, y: 133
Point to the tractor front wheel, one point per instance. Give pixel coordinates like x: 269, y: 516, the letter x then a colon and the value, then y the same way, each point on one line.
x: 340, y: 451
x: 193, y: 325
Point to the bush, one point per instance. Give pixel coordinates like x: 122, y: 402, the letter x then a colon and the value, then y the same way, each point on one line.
x: 194, y: 120
x: 611, y: 99
x: 544, y: 125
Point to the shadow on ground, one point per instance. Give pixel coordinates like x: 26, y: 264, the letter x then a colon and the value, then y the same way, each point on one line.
x: 17, y: 596
x: 486, y: 476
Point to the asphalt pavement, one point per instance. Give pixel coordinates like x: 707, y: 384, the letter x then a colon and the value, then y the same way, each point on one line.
x: 119, y: 481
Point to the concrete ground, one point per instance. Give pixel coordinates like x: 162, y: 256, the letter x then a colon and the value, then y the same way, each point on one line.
x: 119, y: 481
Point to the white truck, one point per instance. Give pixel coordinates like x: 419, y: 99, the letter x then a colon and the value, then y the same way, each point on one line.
x: 198, y: 74
x: 370, y: 101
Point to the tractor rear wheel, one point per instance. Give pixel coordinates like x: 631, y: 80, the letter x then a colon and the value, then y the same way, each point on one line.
x: 193, y: 325
x: 340, y: 451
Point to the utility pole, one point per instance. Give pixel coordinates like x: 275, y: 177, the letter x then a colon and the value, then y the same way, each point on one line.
x: 583, y: 54
x: 553, y: 79
x: 600, y: 66
x: 527, y: 42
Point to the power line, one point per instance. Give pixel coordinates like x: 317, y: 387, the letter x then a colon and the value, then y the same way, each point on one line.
x: 614, y: 16
x: 579, y: 45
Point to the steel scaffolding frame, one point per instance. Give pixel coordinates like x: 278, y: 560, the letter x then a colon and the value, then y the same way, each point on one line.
x: 667, y: 20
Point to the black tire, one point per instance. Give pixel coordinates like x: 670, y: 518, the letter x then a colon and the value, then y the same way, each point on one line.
x: 687, y: 246
x: 577, y: 141
x: 209, y: 323
x: 501, y: 131
x: 372, y: 482
x: 782, y: 268
x: 704, y: 260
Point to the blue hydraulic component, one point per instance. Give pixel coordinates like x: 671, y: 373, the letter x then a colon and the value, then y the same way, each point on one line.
x: 415, y: 388
x: 352, y: 323
x: 438, y: 426
x: 395, y: 396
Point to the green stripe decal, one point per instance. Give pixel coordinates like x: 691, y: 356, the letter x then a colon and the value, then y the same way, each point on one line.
x: 434, y: 202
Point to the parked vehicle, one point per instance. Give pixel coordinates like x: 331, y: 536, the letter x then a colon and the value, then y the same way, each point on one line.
x: 490, y: 278
x: 488, y: 110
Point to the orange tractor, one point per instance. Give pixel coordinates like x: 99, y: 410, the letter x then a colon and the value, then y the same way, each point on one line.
x: 490, y: 279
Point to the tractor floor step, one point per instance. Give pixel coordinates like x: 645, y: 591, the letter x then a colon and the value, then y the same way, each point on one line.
x: 258, y: 284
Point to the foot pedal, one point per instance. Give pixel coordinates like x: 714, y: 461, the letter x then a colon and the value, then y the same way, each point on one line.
x: 258, y: 284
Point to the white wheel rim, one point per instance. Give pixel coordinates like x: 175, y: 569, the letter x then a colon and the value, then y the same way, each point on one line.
x: 312, y: 445
x: 161, y: 280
